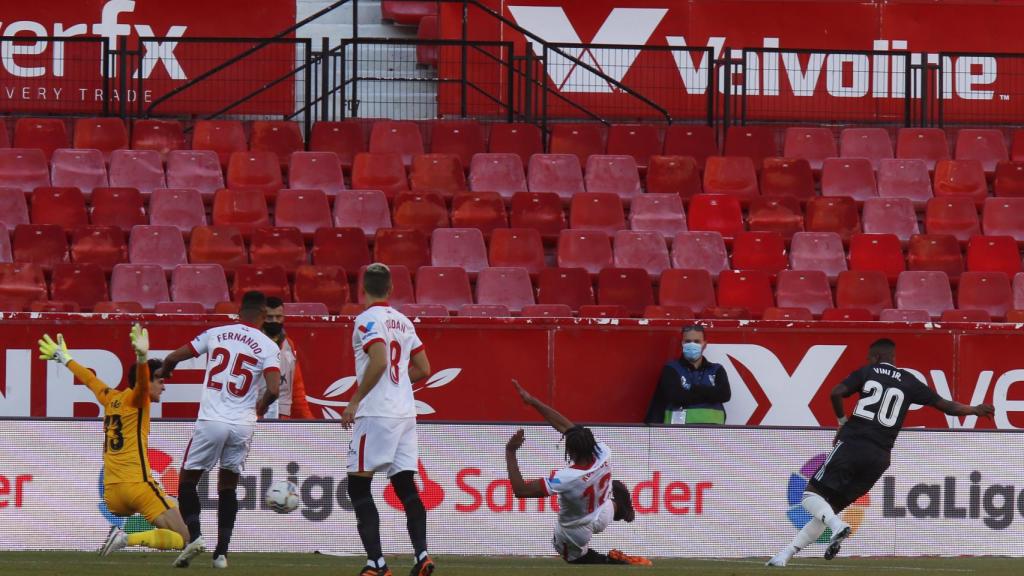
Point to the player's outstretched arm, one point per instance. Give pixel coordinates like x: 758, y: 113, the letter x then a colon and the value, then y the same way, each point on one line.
x: 958, y: 409
x: 521, y: 488
x: 58, y: 352
x: 374, y: 370
x: 140, y: 343
x: 171, y: 360
x: 559, y: 422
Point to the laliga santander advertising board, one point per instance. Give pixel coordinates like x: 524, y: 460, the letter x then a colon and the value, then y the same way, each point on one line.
x: 690, y: 485
x: 595, y: 370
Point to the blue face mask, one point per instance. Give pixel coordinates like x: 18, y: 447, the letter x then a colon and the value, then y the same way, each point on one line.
x: 692, y: 351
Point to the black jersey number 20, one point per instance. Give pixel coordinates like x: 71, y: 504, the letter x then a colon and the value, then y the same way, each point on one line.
x: 888, y: 412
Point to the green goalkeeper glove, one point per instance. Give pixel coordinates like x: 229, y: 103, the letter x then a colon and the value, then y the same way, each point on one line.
x: 55, y: 351
x: 140, y: 341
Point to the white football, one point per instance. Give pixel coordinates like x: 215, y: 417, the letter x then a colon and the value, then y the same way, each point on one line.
x: 283, y: 497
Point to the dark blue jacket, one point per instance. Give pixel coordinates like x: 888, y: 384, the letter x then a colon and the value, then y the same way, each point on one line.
x: 706, y: 386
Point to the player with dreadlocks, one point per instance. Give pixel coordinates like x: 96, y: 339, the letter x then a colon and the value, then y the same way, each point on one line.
x: 584, y: 506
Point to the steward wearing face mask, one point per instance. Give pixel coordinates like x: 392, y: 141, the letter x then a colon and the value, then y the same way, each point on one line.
x: 691, y: 390
x: 291, y: 402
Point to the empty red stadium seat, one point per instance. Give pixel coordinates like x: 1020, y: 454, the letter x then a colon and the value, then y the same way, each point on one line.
x: 1018, y: 291
x: 580, y: 140
x: 673, y: 175
x: 928, y: 144
x: 13, y: 208
x: 988, y: 291
x: 23, y: 169
x: 316, y: 171
x: 484, y: 211
x: 322, y: 284
x: 965, y: 316
x: 754, y: 142
x: 589, y: 250
x: 668, y: 313
x: 807, y: 289
x: 626, y: 287
x: 897, y: 315
x: 954, y: 215
x: 226, y: 307
x: 438, y: 173
x: 644, y: 250
x: 788, y: 314
x: 407, y: 248
x: 661, y: 213
x: 463, y: 139
x: 217, y: 245
x: 64, y: 206
x: 905, y: 178
x: 501, y: 173
x: 733, y: 175
x: 1015, y: 316
x: 813, y: 144
x: 459, y: 247
x: 541, y: 211
x: 781, y: 215
x: 159, y: 245
x: 446, y: 285
x: 696, y: 141
x: 596, y: 211
x: 547, y: 311
x: 204, y: 284
x: 196, y: 169
x: 364, y: 209
x: 716, y: 213
x: 832, y: 215
x: 749, y: 289
x: 424, y: 310
x: 993, y: 253
x: 82, y: 168
x: 83, y: 284
x: 960, y: 178
x: 282, y: 247
x: 401, y: 286
x: 46, y: 134
x: 613, y: 174
x: 132, y: 308
x: 1009, y: 179
x: 853, y: 177
x: 21, y: 283
x: 509, y: 287
x: 924, y: 290
x: 409, y: 13
x: 178, y: 207
x: 558, y: 173
x: 641, y: 141
x: 121, y: 207
x: 142, y: 283
x: 692, y: 289
x: 140, y: 169
x: 700, y: 250
x: 383, y: 172
x: 223, y: 137
x: 271, y: 280
x: 870, y: 143
x: 728, y: 313
x: 42, y: 244
x: 984, y: 145
x: 484, y: 311
x: 1004, y: 217
x: 103, y: 246
x: 935, y: 252
x: 524, y: 140
x: 423, y: 211
x: 306, y: 210
x: 866, y: 289
x: 279, y: 137
x: 881, y: 252
x: 847, y: 315
x: 818, y: 251
x: 788, y: 177
x: 169, y: 307
x: 5, y: 245
x: 103, y: 134
x: 891, y: 216
x: 256, y: 171
x: 346, y: 248
x: 243, y: 208
x: 345, y: 139
x: 160, y: 136
x: 569, y: 286
x: 53, y: 306
x: 517, y: 247
x: 396, y: 137
x: 763, y: 251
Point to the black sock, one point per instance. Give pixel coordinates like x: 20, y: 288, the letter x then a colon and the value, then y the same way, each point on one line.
x: 367, y: 518
x: 188, y: 503
x: 592, y: 557
x: 227, y: 511
x: 415, y: 513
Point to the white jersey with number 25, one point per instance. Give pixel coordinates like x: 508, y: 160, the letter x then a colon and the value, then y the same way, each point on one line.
x: 392, y: 395
x: 238, y: 356
x: 582, y: 491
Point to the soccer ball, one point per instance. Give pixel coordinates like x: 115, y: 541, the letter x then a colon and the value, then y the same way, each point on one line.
x: 283, y: 497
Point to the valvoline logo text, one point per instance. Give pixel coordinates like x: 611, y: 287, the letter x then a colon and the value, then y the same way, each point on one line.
x: 853, y: 515
x: 164, y: 471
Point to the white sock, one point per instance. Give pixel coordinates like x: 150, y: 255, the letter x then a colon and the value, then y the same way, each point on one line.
x: 807, y: 536
x: 818, y: 508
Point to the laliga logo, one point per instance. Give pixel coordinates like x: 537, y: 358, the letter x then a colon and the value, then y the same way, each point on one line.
x: 166, y: 474
x: 853, y: 515
x: 339, y: 387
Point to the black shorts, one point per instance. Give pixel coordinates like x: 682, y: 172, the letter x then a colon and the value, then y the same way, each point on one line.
x: 849, y: 472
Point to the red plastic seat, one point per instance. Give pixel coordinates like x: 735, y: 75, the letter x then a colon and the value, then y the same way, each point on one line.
x: 345, y: 139
x: 695, y: 141
x: 716, y: 213
x: 936, y: 252
x: 597, y: 211
x: 988, y: 291
x: 205, y: 284
x: 322, y: 284
x: 160, y: 136
x: 626, y: 287
x: 1018, y: 291
x: 524, y: 140
x: 673, y: 175
x: 847, y: 315
x: 691, y: 289
x: 928, y: 144
x: 749, y: 289
x: 509, y: 287
x: 641, y: 141
x: 384, y: 172
x: 396, y: 137
x: 243, y: 208
x: 316, y: 171
x: 954, y: 215
x: 23, y: 169
x: 872, y: 144
x: 103, y: 134
x: 984, y: 145
x: 401, y: 286
x: 517, y: 247
x: 223, y: 137
x: 897, y: 315
x: 807, y: 289
x: 343, y: 247
x: 459, y: 247
x: 853, y: 177
x: 661, y: 213
x: 45, y: 134
x: 81, y: 168
x: 881, y: 252
x: 813, y: 144
x: 423, y: 211
x: 403, y: 247
x: 409, y: 13
x: 62, y: 306
x: 21, y: 283
x: 732, y: 175
x: 424, y: 310
x: 181, y: 208
x: 728, y: 313
x: 604, y: 311
x: 139, y: 169
x: 993, y: 253
x: 131, y: 308
x: 255, y: 171
x: 644, y: 250
x: 83, y: 284
x: 463, y: 139
x: 788, y: 314
x: 438, y: 173
x: 754, y: 142
x: 864, y: 289
x: 580, y: 140
x: 226, y: 307
x: 196, y: 169
x: 965, y: 316
x: 763, y: 251
x: 547, y: 311
x: 960, y: 178
x: 589, y: 250
x: 142, y: 283
x: 1004, y: 217
x: 541, y: 211
x: 501, y: 173
x: 781, y: 215
x: 668, y: 313
x: 613, y: 174
x: 905, y: 179
x: 484, y: 211
x: 271, y: 280
x: 159, y: 245
x: 1009, y: 179
x: 445, y: 285
x: 279, y: 137
x: 217, y: 245
x: 282, y: 247
x: 558, y: 173
x: 569, y: 286
x: 121, y: 207
x: 364, y: 209
x: 306, y: 210
x: 484, y: 311
x: 43, y: 244
x: 700, y: 251
x: 833, y: 215
x: 64, y: 206
x: 891, y: 216
x: 103, y: 246
x: 818, y: 251
x: 787, y: 177
x: 924, y: 290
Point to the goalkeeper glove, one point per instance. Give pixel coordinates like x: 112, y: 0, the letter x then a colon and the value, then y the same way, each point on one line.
x: 56, y: 351
x: 140, y: 341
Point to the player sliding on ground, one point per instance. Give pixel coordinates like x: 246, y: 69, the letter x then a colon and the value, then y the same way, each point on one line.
x: 129, y: 486
x: 862, y: 447
x: 584, y: 508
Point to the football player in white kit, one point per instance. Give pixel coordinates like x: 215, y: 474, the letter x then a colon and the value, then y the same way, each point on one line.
x: 242, y: 360
x: 584, y: 506
x: 389, y: 358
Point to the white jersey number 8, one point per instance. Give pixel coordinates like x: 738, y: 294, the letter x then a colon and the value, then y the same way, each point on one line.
x: 889, y: 411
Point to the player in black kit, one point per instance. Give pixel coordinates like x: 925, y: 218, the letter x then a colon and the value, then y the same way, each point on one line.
x: 861, y: 450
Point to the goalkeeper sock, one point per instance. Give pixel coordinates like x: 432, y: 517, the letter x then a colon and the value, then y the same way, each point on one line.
x: 158, y: 538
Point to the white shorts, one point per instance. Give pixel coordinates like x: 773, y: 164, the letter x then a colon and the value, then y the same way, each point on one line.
x: 381, y: 444
x: 572, y: 542
x: 214, y: 441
